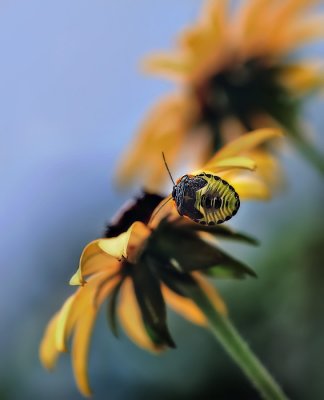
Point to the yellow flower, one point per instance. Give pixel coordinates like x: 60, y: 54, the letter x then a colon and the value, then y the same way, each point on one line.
x: 141, y: 265
x: 236, y: 73
x: 144, y: 277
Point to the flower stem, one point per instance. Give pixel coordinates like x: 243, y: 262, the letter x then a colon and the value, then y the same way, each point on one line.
x: 226, y: 333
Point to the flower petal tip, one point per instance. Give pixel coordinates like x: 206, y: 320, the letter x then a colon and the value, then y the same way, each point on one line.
x: 77, y: 280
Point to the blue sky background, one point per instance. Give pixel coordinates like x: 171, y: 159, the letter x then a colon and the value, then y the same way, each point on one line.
x: 71, y: 99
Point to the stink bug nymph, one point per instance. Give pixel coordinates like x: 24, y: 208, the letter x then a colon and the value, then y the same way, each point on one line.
x: 204, y: 198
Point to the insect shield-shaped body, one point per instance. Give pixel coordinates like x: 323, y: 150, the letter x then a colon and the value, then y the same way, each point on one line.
x: 205, y: 198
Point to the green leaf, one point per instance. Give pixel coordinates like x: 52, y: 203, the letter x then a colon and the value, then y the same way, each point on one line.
x: 238, y: 271
x: 151, y: 303
x: 187, y: 252
x: 221, y: 231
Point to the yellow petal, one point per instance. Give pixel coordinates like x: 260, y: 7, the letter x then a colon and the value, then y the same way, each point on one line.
x: 245, y: 143
x: 81, y: 319
x: 302, y: 78
x: 287, y: 10
x: 88, y: 253
x: 245, y: 28
x: 230, y: 163
x: 80, y: 349
x: 104, y: 289
x: 175, y: 66
x: 48, y: 352
x: 93, y: 260
x: 282, y: 15
x: 297, y: 34
x: 211, y: 293
x: 127, y: 245
x: 116, y: 246
x: 131, y: 319
x: 184, y: 306
x: 164, y: 130
x: 250, y: 188
x: 92, y: 294
x: 64, y: 313
x: 215, y: 12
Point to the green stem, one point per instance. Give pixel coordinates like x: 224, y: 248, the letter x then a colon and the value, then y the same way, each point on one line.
x: 230, y: 338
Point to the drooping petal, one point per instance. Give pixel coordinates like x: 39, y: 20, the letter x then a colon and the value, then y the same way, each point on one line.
x: 80, y: 349
x: 64, y: 314
x: 131, y: 319
x: 92, y: 293
x: 82, y: 319
x: 184, y: 306
x: 48, y: 352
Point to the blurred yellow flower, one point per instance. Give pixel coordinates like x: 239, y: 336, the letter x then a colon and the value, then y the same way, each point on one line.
x: 237, y: 73
x: 144, y: 264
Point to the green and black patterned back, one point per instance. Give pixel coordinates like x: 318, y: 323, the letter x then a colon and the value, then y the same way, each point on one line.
x: 206, y: 199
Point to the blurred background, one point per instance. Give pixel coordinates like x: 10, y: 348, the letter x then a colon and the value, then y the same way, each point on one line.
x: 71, y: 99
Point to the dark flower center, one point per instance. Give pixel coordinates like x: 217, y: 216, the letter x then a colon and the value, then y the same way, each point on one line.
x: 244, y: 91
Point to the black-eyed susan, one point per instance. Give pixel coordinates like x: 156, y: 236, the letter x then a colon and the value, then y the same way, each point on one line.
x: 237, y: 71
x: 139, y: 271
x: 148, y: 263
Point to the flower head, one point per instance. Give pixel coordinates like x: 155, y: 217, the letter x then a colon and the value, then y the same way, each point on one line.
x: 236, y: 73
x: 145, y: 267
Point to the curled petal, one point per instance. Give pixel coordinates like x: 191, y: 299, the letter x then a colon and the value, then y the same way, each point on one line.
x: 116, y: 246
x: 127, y: 245
x: 184, y: 306
x: 93, y: 260
x: 131, y: 319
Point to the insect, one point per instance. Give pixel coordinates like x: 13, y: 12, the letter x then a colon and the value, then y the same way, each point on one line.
x: 204, y: 198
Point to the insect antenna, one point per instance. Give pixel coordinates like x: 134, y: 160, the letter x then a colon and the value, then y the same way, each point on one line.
x: 161, y: 206
x: 165, y: 163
